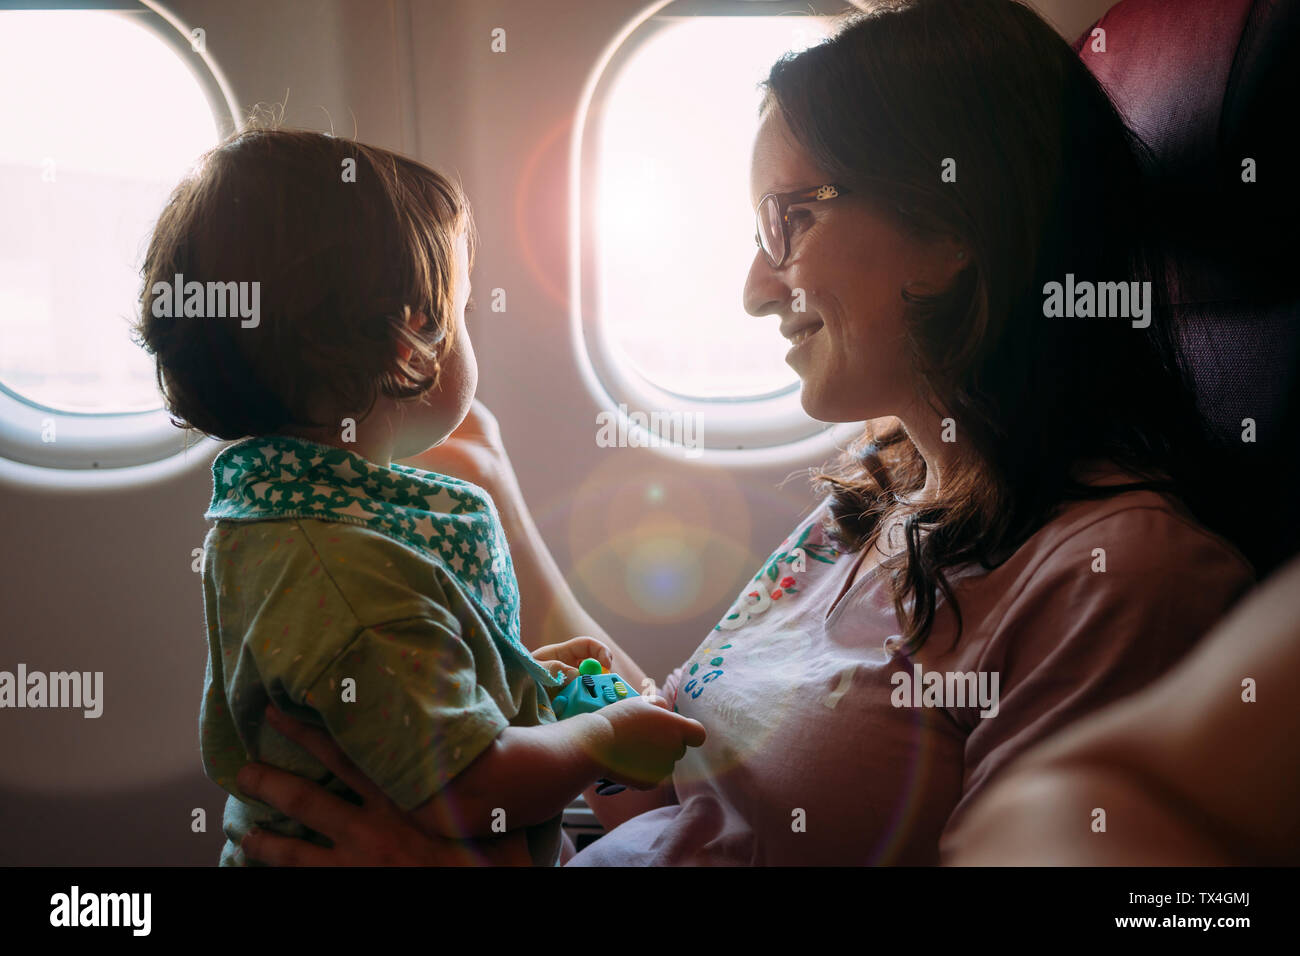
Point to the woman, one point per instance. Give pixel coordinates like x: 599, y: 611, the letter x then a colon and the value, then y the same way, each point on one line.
x: 1017, y: 523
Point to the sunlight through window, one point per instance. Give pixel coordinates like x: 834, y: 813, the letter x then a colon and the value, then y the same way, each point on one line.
x: 101, y: 120
x: 674, y: 219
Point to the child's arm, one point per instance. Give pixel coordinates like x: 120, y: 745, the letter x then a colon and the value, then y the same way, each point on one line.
x: 417, y: 678
x: 611, y: 810
x: 532, y: 773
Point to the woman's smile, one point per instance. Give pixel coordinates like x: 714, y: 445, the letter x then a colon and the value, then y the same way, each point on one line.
x: 800, y: 335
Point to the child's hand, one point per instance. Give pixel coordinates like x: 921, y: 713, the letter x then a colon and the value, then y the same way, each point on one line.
x: 644, y: 741
x: 567, y: 655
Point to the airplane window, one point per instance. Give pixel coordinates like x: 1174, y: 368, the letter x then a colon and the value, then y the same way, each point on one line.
x: 102, y: 117
x: 668, y: 226
x: 675, y: 221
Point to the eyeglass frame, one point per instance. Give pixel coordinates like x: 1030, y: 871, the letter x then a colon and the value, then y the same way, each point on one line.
x: 783, y: 203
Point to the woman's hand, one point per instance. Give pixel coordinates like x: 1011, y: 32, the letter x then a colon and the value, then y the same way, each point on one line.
x: 567, y: 655
x: 378, y: 833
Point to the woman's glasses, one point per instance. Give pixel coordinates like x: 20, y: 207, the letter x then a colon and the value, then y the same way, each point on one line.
x: 773, y: 232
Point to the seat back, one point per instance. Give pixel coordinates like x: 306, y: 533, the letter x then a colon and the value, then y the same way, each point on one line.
x: 1209, y: 85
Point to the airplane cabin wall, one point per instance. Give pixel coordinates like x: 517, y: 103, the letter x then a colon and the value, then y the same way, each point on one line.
x: 104, y: 581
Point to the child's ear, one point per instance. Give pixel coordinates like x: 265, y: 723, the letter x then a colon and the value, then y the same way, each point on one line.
x: 415, y: 321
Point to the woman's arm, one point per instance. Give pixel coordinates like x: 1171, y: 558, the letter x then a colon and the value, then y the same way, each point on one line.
x: 549, y: 611
x: 1167, y: 764
x: 1073, y: 641
x: 550, y: 614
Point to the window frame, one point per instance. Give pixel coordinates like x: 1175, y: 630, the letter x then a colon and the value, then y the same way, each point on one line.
x: 102, y: 443
x: 758, y: 429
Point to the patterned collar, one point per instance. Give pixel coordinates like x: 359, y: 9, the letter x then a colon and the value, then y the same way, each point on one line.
x: 450, y: 522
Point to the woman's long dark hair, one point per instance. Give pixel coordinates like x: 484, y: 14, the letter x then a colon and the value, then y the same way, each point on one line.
x: 1049, y: 182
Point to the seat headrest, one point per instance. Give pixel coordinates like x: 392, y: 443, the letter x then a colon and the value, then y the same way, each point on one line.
x: 1207, y: 85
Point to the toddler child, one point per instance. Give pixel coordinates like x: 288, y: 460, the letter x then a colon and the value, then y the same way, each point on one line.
x: 372, y: 599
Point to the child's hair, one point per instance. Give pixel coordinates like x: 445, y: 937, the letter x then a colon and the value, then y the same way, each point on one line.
x: 344, y: 252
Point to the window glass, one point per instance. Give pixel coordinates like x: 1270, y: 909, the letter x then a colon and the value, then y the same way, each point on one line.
x: 101, y: 118
x: 675, y: 228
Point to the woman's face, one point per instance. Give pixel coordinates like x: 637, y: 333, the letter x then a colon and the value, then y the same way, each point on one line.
x: 851, y: 265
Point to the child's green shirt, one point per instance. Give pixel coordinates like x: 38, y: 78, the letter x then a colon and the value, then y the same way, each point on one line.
x: 397, y: 643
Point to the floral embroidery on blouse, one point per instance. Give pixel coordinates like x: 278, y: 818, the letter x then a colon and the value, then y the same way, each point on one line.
x: 772, y: 582
x: 769, y: 584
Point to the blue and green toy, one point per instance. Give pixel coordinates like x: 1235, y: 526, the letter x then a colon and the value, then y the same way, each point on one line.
x: 591, y: 690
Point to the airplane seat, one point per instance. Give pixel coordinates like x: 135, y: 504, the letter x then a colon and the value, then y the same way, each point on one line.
x: 1210, y: 87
